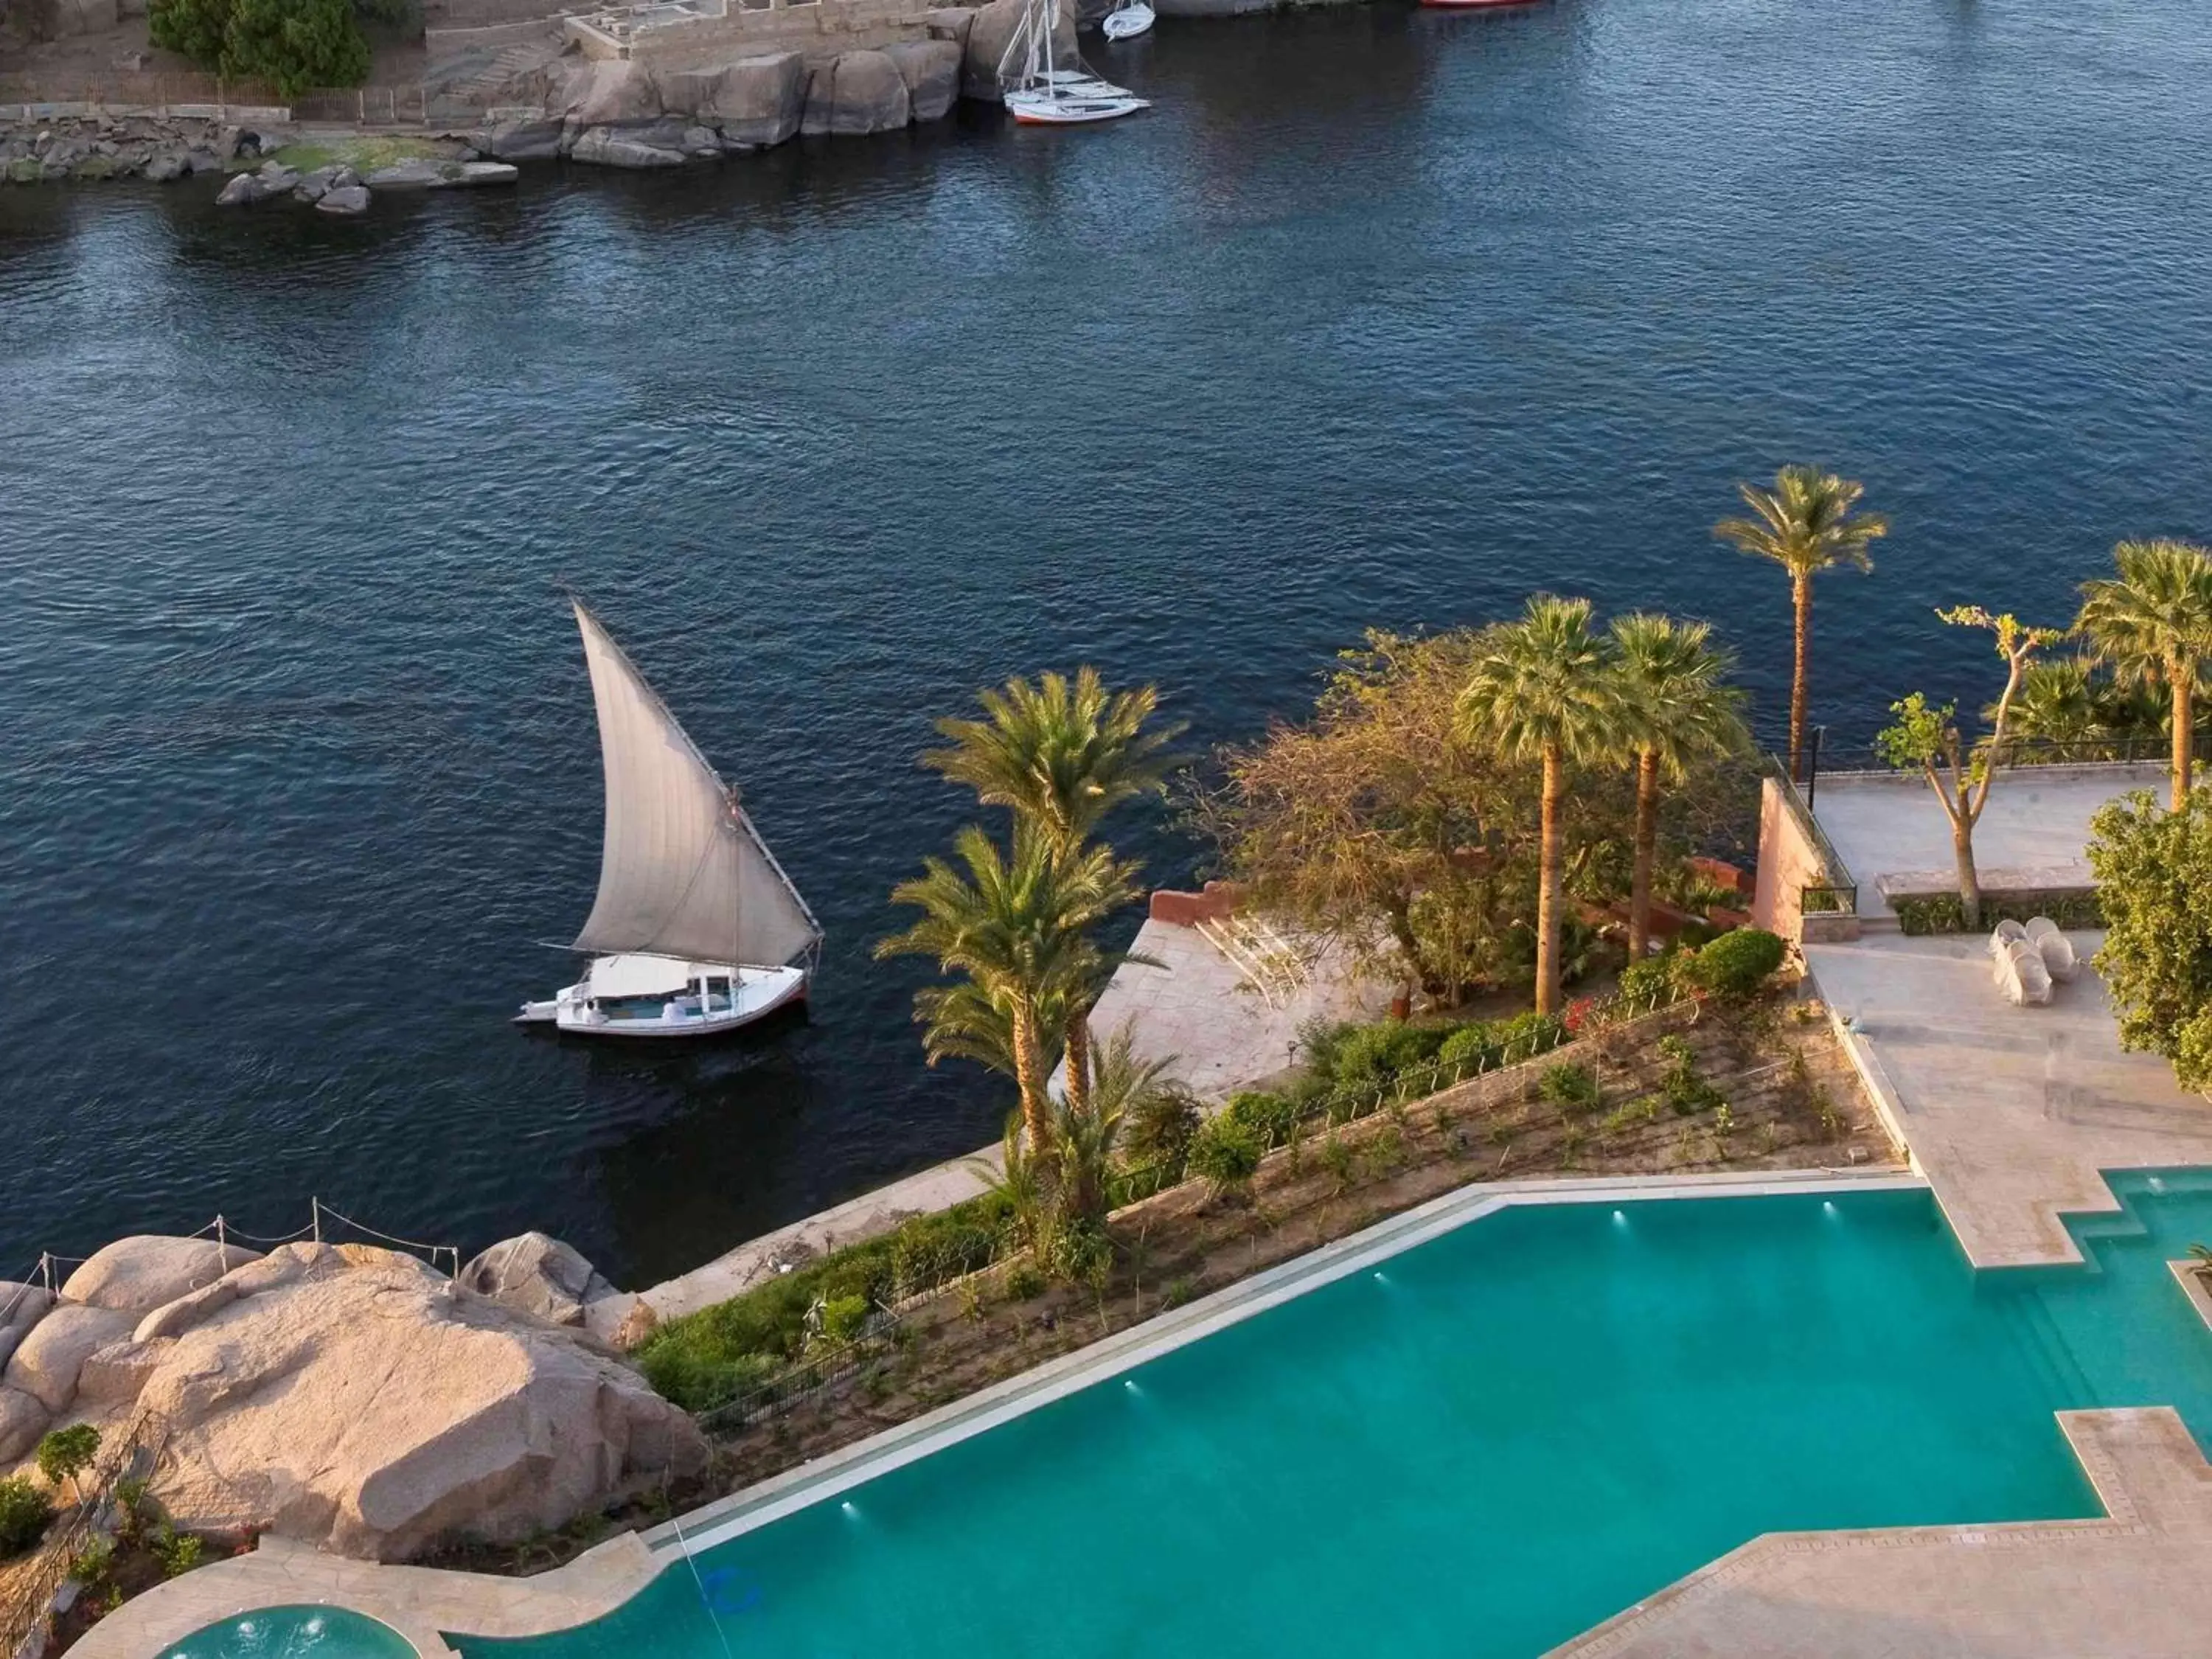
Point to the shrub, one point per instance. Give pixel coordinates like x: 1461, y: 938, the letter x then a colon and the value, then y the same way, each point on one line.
x: 1226, y: 1154
x: 1570, y: 1087
x: 67, y: 1452
x: 178, y: 1553
x: 1471, y: 1048
x: 93, y: 1562
x: 1646, y: 982
x: 1942, y: 913
x: 705, y: 1359
x: 1735, y: 964
x: 1159, y: 1127
x: 1528, y: 1035
x: 1270, y: 1117
x: 1024, y: 1282
x: 24, y: 1511
x: 842, y: 1319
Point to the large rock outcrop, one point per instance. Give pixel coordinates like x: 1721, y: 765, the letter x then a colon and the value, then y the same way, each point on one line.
x: 21, y: 1306
x: 48, y: 1362
x: 931, y: 69
x: 535, y: 1273
x: 355, y: 1398
x: 22, y: 1420
x: 868, y: 95
x: 136, y: 1275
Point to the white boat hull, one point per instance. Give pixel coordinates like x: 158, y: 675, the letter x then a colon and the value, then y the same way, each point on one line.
x: 709, y: 999
x: 1062, y: 108
x: 1127, y: 22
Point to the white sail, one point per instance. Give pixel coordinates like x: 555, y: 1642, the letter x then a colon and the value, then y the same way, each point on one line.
x: 682, y: 872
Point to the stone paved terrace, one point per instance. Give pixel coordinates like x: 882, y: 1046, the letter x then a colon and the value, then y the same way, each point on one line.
x: 1196, y: 1009
x: 2130, y: 1586
x: 2009, y: 1112
x: 2036, y: 824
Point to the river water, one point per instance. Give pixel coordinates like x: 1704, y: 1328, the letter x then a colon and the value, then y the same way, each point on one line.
x: 1380, y: 317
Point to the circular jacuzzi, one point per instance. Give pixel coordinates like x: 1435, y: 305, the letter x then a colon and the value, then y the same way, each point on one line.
x: 294, y: 1634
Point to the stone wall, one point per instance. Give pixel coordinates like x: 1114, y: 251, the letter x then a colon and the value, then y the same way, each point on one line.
x: 1790, y: 860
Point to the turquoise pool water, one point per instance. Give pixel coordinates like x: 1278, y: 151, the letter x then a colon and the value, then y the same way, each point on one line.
x: 300, y: 1632
x: 1491, y: 1443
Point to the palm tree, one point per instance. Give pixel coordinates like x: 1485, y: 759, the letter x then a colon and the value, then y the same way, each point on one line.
x: 1544, y: 688
x: 2153, y: 624
x: 1805, y: 525
x: 1061, y: 755
x: 1017, y: 924
x: 2058, y: 703
x: 1675, y: 710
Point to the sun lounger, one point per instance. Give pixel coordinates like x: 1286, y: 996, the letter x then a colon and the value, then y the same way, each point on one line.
x: 2034, y: 978
x: 2057, y: 949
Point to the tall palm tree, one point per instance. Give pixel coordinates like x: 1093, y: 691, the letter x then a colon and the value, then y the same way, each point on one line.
x: 1544, y: 688
x: 1017, y: 924
x: 1676, y: 709
x: 1059, y: 755
x: 1806, y: 523
x: 2153, y: 623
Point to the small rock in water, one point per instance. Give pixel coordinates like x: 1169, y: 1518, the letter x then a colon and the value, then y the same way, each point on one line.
x: 344, y: 198
x: 477, y: 173
x: 168, y: 166
x: 243, y: 188
x: 314, y: 186
x: 407, y: 175
x: 200, y: 158
x: 703, y: 142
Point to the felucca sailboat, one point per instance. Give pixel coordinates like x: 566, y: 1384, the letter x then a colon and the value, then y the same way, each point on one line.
x: 697, y: 929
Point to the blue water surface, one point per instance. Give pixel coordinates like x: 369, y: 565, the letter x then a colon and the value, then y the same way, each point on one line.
x: 1493, y: 1442
x: 1378, y: 318
x: 304, y: 1632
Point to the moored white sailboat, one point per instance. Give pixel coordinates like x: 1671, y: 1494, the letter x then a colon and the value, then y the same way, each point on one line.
x: 1128, y: 21
x: 697, y: 929
x: 1039, y: 93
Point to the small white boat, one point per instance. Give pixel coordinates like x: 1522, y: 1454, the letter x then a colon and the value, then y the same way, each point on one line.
x: 1039, y: 93
x: 697, y: 929
x: 1128, y: 21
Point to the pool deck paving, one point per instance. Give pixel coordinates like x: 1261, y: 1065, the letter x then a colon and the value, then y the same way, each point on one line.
x: 2010, y: 1113
x: 2132, y: 1585
x: 1887, y: 825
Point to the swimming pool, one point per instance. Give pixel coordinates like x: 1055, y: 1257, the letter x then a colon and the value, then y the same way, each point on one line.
x: 294, y: 1632
x: 1494, y: 1441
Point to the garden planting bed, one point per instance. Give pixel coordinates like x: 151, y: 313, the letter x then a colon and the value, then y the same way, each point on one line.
x: 1764, y: 1087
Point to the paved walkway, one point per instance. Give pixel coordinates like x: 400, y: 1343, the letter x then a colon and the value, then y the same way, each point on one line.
x: 2131, y: 1586
x: 2010, y: 1112
x: 2035, y: 826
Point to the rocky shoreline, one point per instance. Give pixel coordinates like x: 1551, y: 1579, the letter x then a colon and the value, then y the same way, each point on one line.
x: 604, y: 112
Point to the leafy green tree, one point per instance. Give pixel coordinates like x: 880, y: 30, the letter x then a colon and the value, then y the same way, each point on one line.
x: 1807, y: 524
x: 67, y: 1452
x: 1544, y: 690
x: 296, y: 44
x: 1016, y: 925
x: 193, y: 28
x: 292, y: 45
x: 2152, y: 622
x: 1929, y: 740
x: 1061, y: 755
x: 2154, y: 872
x: 1676, y: 710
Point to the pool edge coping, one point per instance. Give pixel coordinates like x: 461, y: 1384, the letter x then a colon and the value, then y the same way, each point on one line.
x: 817, y: 1481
